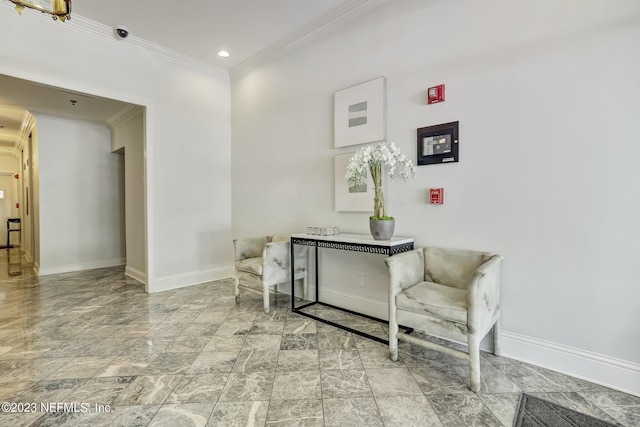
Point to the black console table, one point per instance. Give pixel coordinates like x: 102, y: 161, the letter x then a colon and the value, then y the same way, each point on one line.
x: 345, y: 242
x: 11, y: 229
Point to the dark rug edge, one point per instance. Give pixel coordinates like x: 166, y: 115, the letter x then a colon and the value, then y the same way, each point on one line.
x: 522, y: 404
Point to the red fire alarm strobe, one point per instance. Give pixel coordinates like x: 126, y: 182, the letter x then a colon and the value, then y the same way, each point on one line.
x: 436, y: 196
x: 435, y: 94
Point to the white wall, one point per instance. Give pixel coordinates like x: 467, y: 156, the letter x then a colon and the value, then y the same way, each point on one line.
x: 128, y: 136
x: 81, y: 197
x: 547, y: 95
x: 9, y: 163
x: 187, y: 132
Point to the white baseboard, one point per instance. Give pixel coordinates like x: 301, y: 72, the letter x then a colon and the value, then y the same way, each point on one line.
x: 597, y: 368
x: 135, y: 274
x: 188, y: 279
x: 80, y: 267
x: 364, y: 305
x: 601, y: 369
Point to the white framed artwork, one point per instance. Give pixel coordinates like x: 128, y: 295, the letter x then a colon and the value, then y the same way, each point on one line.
x: 351, y: 199
x: 360, y: 112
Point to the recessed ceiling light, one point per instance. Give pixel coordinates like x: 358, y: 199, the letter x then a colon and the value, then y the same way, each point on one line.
x: 223, y: 53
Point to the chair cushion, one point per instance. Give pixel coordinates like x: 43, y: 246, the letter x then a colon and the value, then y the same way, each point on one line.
x: 453, y: 267
x: 432, y: 299
x: 250, y: 265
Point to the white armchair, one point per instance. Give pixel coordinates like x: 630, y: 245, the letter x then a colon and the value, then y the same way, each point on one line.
x: 262, y: 262
x: 448, y: 293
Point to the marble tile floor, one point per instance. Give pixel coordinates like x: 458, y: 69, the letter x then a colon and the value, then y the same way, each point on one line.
x: 192, y: 357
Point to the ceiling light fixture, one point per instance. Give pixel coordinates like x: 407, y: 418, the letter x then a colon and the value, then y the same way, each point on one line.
x: 223, y: 53
x: 56, y: 8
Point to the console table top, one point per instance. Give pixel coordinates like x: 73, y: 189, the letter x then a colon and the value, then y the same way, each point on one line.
x: 363, y: 239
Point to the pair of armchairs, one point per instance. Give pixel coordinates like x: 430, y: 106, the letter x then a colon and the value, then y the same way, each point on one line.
x: 447, y: 293
x: 265, y: 262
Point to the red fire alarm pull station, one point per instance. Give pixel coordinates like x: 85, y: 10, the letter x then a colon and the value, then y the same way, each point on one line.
x: 436, y: 196
x: 435, y: 94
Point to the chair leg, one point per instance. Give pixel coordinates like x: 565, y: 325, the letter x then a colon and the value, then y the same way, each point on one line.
x: 474, y: 363
x: 305, y: 288
x: 265, y: 298
x: 237, y: 289
x: 497, y: 350
x: 393, y: 338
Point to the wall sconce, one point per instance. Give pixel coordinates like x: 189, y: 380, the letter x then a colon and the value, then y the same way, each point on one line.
x: 56, y: 8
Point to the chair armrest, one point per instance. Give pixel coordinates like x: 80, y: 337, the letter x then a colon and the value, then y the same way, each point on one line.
x: 249, y: 247
x: 405, y: 270
x: 484, y: 293
x: 276, y: 262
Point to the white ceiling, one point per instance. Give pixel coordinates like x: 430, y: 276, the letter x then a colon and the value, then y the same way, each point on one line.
x: 17, y: 96
x: 198, y: 29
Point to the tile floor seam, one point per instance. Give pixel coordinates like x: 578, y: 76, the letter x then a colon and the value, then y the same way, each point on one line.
x: 171, y: 330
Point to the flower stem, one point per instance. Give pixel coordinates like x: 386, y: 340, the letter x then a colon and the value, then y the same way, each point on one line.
x: 379, y: 210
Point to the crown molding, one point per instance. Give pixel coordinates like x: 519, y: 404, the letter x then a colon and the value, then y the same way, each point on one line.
x: 104, y: 32
x: 339, y: 16
x: 123, y: 115
x: 100, y: 31
x: 320, y: 26
x: 28, y: 123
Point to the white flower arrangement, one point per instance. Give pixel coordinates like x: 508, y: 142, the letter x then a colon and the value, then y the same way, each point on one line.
x: 374, y: 158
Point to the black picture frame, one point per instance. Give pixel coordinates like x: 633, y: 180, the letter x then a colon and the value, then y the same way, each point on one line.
x: 438, y: 144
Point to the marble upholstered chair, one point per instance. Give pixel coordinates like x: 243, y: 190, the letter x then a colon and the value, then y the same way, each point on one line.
x: 263, y: 262
x: 447, y: 293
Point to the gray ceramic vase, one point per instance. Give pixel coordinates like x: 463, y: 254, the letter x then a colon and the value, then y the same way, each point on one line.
x: 382, y: 229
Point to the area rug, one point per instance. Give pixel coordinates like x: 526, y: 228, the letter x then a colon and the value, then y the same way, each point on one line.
x: 535, y: 412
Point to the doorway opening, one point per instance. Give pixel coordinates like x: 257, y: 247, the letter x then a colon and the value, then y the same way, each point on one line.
x: 34, y: 199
